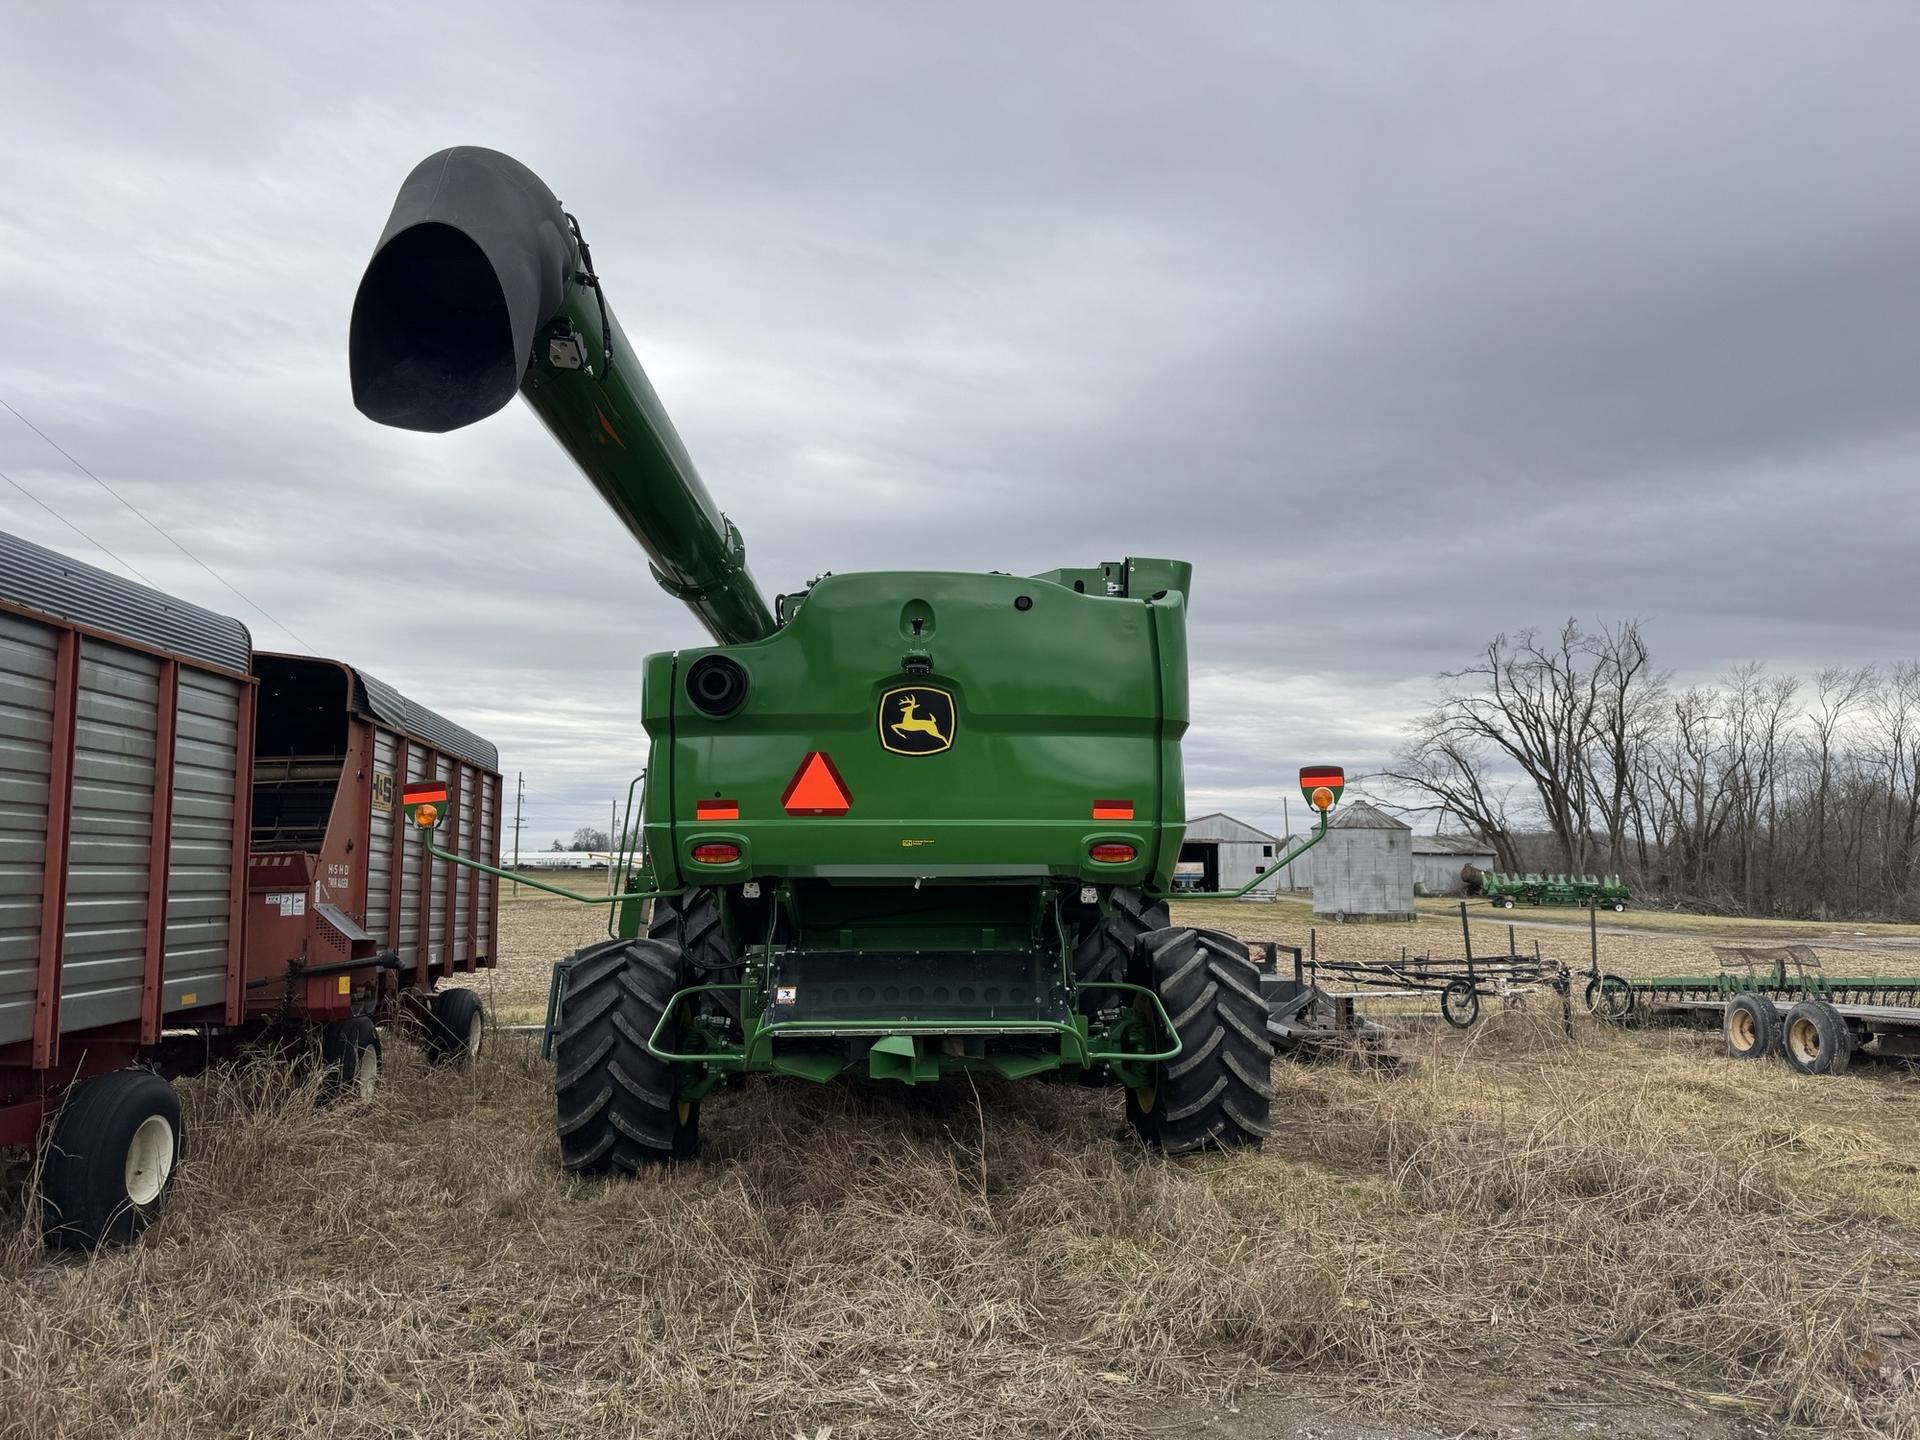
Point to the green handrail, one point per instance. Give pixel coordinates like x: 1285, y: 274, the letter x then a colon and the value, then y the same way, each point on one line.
x: 485, y: 869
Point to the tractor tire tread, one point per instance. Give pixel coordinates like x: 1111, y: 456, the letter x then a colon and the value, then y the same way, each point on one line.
x: 1218, y: 1092
x: 615, y: 1110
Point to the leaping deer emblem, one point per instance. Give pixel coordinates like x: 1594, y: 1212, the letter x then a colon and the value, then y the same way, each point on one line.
x: 911, y: 723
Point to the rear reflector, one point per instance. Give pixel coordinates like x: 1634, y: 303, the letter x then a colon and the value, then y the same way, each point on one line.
x: 716, y: 809
x: 1109, y: 853
x: 427, y: 792
x: 715, y: 852
x: 816, y: 788
x: 1113, y: 809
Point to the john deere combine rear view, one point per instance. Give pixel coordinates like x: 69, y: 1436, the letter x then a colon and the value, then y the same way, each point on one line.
x: 901, y: 823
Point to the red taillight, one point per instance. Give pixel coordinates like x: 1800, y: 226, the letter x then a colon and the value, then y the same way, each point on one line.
x: 1110, y: 853
x: 716, y: 809
x: 716, y: 852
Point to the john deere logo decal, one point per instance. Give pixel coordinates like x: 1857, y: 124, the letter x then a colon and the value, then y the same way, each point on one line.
x: 916, y: 720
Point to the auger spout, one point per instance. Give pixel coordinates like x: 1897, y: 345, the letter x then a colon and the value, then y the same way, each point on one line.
x: 481, y: 287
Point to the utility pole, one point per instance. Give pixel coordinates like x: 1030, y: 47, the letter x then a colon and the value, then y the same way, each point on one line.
x: 519, y: 794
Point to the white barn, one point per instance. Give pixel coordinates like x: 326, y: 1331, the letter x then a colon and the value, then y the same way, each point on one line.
x: 1222, y: 853
x: 1439, y: 859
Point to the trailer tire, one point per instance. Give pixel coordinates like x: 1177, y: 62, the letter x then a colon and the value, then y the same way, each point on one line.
x: 110, y: 1160
x: 1506, y: 903
x: 1104, y: 950
x: 1218, y: 1091
x: 456, y: 1027
x: 350, y: 1055
x: 691, y: 924
x: 1815, y: 1039
x: 1619, y: 907
x: 616, y: 1105
x: 1460, y: 1004
x: 1752, y: 1026
x: 1609, y: 997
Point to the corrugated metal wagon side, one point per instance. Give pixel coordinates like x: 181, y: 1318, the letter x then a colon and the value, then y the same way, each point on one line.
x: 334, y: 747
x: 198, y: 851
x: 126, y: 721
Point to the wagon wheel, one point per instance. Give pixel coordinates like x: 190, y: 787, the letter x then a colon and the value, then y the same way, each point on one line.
x: 1609, y: 997
x: 1460, y: 1003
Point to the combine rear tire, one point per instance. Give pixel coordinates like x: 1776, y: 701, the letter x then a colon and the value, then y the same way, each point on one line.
x: 1815, y: 1040
x: 1752, y: 1026
x: 691, y: 924
x: 456, y: 1027
x: 1216, y: 1093
x: 111, y: 1157
x: 1105, y: 949
x: 616, y: 1102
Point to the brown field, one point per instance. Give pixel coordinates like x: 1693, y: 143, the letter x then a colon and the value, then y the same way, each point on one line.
x: 1514, y: 1234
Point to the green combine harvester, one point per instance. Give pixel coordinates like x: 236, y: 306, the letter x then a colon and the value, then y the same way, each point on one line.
x: 898, y: 824
x: 1592, y: 892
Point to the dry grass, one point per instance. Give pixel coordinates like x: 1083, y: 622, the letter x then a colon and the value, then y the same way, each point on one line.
x: 1623, y: 1210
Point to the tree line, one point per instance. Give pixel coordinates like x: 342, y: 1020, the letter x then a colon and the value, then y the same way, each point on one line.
x: 1758, y: 793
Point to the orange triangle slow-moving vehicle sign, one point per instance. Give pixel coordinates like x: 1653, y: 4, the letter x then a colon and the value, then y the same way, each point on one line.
x: 816, y: 788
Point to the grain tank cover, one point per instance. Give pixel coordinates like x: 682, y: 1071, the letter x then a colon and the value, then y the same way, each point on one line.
x: 50, y: 582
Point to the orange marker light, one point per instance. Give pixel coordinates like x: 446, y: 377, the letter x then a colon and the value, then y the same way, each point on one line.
x: 1322, y: 798
x: 426, y: 816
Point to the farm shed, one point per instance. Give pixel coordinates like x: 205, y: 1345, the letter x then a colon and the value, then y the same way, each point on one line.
x: 1439, y: 859
x: 1222, y: 853
x: 1363, y: 870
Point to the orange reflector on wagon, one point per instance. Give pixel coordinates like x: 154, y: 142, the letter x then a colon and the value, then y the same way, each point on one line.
x: 1111, y: 853
x: 1113, y: 809
x: 816, y: 788
x: 716, y: 852
x: 425, y: 792
x: 716, y: 810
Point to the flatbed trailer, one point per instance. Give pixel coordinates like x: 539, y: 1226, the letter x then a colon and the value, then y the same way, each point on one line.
x: 1779, y: 1001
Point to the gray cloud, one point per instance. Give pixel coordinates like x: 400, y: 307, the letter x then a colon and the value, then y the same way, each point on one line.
x: 1405, y: 324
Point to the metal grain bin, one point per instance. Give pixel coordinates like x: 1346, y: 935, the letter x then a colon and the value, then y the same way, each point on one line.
x: 1363, y: 870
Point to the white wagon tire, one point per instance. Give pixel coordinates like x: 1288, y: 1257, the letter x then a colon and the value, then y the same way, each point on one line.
x: 456, y: 1027
x: 111, y: 1158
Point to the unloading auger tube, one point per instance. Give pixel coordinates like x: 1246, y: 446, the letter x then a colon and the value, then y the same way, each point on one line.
x: 481, y: 286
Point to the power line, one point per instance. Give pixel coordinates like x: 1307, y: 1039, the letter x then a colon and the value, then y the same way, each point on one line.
x: 123, y: 564
x: 154, y: 525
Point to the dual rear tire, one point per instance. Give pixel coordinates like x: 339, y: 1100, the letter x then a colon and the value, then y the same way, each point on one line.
x: 1812, y: 1037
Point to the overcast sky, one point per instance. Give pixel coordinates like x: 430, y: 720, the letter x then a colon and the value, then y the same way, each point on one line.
x: 1405, y: 323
